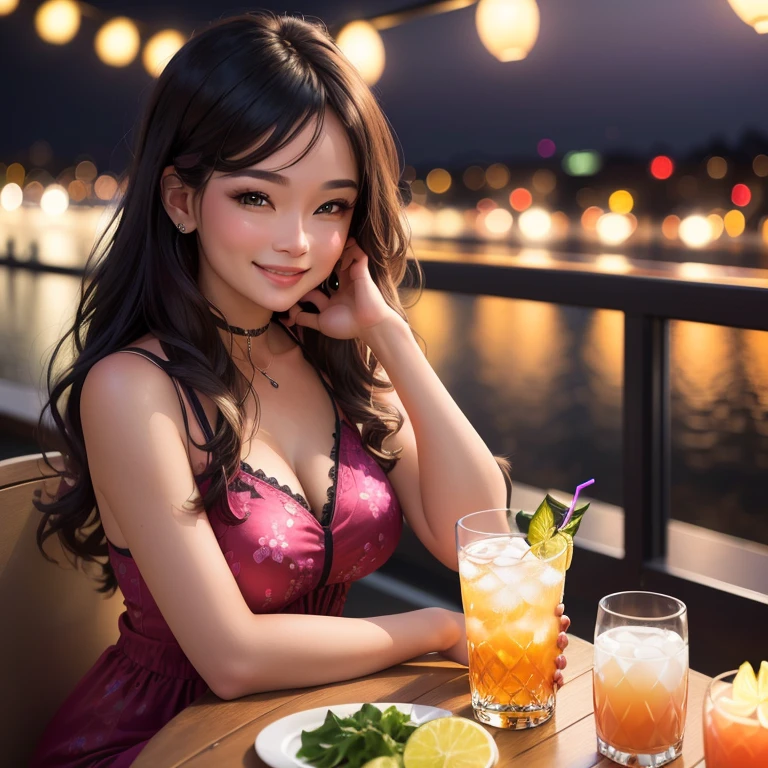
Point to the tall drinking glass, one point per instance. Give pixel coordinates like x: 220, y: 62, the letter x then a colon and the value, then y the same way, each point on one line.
x: 510, y: 592
x: 640, y: 677
x: 734, y: 737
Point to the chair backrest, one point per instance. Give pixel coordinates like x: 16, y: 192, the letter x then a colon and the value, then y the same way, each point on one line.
x: 54, y: 624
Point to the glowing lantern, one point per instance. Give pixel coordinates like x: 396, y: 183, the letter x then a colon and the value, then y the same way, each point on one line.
x: 508, y: 28
x: 752, y: 12
x: 57, y: 21
x: 362, y: 45
x: 160, y: 49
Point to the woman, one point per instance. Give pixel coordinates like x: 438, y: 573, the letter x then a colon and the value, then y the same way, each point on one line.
x: 240, y: 455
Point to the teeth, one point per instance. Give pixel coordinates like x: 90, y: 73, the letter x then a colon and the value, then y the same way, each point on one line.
x: 275, y: 272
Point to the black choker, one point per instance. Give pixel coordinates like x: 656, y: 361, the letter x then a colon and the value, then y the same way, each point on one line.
x: 249, y: 333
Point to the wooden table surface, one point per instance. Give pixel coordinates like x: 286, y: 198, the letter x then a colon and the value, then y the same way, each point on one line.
x: 212, y: 732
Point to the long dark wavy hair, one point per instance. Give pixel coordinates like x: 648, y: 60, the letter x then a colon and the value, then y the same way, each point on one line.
x: 239, y: 80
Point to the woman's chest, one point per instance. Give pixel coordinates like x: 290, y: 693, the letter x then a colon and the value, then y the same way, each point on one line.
x: 281, y: 551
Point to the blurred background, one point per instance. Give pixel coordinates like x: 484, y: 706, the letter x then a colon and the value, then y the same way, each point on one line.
x: 589, y: 203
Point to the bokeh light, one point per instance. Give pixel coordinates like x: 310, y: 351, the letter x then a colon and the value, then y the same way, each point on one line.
x: 57, y: 21
x: 764, y: 230
x: 670, y: 227
x: 33, y: 192
x: 486, y: 204
x: 160, y: 49
x: 613, y: 262
x: 8, y: 6
x: 448, y: 222
x: 15, y: 174
x: 11, y: 197
x: 760, y: 166
x: 582, y: 163
x: 740, y: 195
x: 717, y: 224
x: 662, y: 167
x: 694, y: 271
x: 77, y: 190
x: 561, y: 224
x: 438, y: 181
x: 520, y: 199
x: 105, y: 187
x: 546, y: 148
x: 621, y: 201
x: 734, y: 223
x: 117, y: 42
x: 474, y: 178
x: 86, y: 171
x: 55, y: 200
x: 613, y: 228
x: 717, y: 167
x: 362, y: 45
x: 497, y: 176
x: 695, y: 231
x: 498, y: 221
x: 544, y: 181
x: 508, y: 28
x: 419, y: 191
x: 535, y: 223
x: 590, y: 217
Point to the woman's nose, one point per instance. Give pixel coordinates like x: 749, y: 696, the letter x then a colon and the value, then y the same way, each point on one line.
x: 291, y: 237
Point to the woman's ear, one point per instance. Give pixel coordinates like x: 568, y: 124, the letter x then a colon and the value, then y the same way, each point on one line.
x: 178, y: 200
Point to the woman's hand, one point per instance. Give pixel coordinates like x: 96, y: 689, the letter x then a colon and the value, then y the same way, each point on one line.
x: 354, y: 309
x: 562, y: 644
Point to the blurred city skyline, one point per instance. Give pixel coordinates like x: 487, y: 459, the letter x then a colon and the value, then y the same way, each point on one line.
x: 610, y: 75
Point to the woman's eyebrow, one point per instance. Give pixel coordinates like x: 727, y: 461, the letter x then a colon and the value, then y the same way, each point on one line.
x: 277, y: 178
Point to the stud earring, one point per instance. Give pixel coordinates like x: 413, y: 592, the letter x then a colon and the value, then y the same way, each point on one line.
x: 181, y: 227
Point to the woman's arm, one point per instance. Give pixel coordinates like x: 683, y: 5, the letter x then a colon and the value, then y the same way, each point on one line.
x: 445, y: 470
x: 133, y: 430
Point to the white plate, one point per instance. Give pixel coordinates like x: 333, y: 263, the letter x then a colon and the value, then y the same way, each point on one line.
x: 279, y: 742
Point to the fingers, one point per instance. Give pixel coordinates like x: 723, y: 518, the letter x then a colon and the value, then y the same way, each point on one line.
x: 562, y: 641
x: 296, y: 316
x: 559, y: 610
x: 559, y: 680
x: 565, y: 623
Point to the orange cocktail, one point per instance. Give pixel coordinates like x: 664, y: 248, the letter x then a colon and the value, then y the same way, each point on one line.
x: 640, y: 678
x: 509, y: 591
x: 734, y: 736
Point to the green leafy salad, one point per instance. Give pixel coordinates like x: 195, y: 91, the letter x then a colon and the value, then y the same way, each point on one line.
x: 349, y: 742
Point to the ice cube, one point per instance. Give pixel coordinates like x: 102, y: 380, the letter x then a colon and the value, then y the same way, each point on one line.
x: 625, y: 636
x: 504, y: 560
x: 672, y: 675
x: 518, y: 544
x: 648, y: 653
x: 475, y: 629
x: 608, y: 644
x: 506, y: 600
x: 488, y: 583
x: 550, y: 577
x: 469, y: 570
x: 530, y: 591
x: 511, y: 574
x: 673, y: 644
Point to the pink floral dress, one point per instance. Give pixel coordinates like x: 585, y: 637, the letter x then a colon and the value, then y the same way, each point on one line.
x: 284, y: 559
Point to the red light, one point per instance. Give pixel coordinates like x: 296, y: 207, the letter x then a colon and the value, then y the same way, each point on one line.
x: 662, y: 167
x: 740, y: 195
x: 520, y: 199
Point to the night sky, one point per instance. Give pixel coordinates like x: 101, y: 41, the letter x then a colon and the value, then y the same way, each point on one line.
x: 636, y: 75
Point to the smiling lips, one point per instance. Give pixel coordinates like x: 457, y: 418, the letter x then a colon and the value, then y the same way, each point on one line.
x: 281, y: 275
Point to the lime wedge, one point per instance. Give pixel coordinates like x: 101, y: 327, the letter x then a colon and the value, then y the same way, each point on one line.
x: 383, y: 762
x: 450, y: 742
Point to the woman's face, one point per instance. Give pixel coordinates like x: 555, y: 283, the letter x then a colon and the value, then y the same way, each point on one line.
x: 268, y: 237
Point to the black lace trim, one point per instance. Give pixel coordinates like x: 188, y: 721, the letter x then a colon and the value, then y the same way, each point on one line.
x: 260, y: 474
x: 333, y: 474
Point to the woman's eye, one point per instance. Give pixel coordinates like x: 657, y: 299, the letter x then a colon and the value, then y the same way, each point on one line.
x: 340, y: 205
x: 255, y: 199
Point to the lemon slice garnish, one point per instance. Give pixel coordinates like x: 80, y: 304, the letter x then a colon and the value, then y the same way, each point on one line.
x: 750, y: 693
x: 450, y: 742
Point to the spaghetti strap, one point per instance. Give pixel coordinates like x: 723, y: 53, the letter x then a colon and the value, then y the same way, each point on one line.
x: 194, y: 400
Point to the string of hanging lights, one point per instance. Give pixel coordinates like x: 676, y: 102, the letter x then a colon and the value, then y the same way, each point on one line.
x: 507, y: 28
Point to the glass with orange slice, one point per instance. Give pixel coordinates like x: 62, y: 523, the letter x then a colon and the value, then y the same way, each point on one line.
x: 736, y: 719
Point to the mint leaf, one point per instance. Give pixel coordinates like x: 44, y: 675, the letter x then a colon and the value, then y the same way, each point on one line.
x: 523, y: 521
x: 542, y: 525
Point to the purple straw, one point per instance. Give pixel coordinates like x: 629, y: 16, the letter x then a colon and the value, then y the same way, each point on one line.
x: 575, y: 499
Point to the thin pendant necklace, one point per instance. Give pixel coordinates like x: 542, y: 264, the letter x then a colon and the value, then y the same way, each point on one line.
x: 249, y: 333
